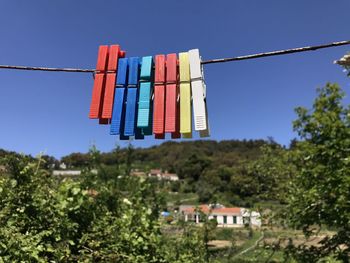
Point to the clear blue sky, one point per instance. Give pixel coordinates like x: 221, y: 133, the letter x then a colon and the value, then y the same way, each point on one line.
x: 42, y: 111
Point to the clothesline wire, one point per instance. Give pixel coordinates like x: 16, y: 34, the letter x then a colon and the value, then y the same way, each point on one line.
x: 205, y: 62
x: 278, y: 53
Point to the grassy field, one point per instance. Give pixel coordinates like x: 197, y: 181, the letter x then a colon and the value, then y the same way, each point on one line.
x: 173, y: 198
x: 242, y: 245
x: 233, y: 245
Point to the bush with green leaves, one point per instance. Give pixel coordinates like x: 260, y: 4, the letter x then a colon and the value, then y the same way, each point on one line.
x: 33, y: 228
x: 99, y: 217
x: 320, y: 192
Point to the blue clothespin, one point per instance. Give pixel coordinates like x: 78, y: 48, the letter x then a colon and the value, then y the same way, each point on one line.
x: 130, y: 128
x: 144, y: 119
x: 118, y: 115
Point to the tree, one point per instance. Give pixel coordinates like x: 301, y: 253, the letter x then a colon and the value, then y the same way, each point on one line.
x: 272, y: 172
x: 33, y: 226
x: 104, y: 216
x: 75, y: 160
x: 320, y: 191
x: 193, y: 167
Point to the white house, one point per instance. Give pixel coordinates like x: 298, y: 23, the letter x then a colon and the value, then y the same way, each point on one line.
x: 170, y: 176
x: 70, y: 173
x: 63, y: 166
x: 155, y: 173
x: 137, y: 173
x: 255, y: 217
x: 225, y: 216
x: 163, y: 175
x: 66, y: 173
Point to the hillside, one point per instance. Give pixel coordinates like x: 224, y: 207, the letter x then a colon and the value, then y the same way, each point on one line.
x: 171, y: 155
x: 214, y: 171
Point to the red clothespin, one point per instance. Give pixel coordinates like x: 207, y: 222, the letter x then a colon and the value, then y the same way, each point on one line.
x: 113, y: 55
x: 171, y: 94
x: 98, y: 89
x: 159, y: 97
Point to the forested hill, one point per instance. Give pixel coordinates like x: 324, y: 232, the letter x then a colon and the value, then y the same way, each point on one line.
x: 173, y: 155
x: 222, y: 171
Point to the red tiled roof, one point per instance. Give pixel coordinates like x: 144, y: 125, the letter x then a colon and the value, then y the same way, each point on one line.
x: 206, y: 209
x: 227, y: 210
x: 156, y: 171
x: 203, y: 208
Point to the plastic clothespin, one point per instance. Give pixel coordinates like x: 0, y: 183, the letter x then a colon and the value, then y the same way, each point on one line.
x: 159, y: 97
x: 99, y: 83
x: 118, y: 115
x: 185, y: 96
x: 206, y: 132
x: 198, y: 93
x: 144, y: 118
x: 114, y: 54
x: 171, y: 94
x: 130, y: 128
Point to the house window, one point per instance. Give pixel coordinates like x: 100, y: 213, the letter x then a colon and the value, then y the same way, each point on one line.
x: 234, y: 219
x: 215, y: 217
x: 225, y: 219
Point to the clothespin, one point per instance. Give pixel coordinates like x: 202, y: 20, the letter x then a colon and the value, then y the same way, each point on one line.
x: 113, y: 56
x: 159, y: 97
x: 99, y: 82
x: 144, y: 118
x: 131, y: 100
x: 198, y: 93
x: 118, y: 115
x: 185, y: 96
x: 171, y: 94
x: 206, y: 132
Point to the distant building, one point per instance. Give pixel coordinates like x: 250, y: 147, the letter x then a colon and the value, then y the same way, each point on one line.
x: 71, y: 173
x: 66, y: 173
x: 63, y: 166
x: 170, y: 176
x: 137, y: 173
x: 158, y: 173
x: 155, y: 173
x: 225, y: 216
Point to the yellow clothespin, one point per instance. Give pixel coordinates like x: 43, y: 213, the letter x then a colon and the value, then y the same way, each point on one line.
x: 185, y: 96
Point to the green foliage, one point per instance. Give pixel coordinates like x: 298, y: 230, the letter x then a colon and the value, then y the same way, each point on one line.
x: 106, y: 215
x: 271, y: 173
x: 187, y: 247
x: 32, y: 227
x: 76, y: 160
x: 229, y: 233
x: 191, y: 243
x: 99, y: 217
x: 215, y: 171
x: 319, y: 195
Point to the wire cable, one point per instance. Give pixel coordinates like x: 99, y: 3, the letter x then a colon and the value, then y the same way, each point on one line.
x: 205, y: 62
x: 278, y: 53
